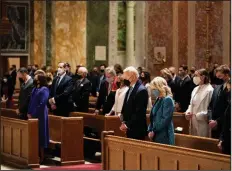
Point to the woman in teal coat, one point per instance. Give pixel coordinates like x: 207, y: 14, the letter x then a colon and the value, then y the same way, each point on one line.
x: 161, y: 128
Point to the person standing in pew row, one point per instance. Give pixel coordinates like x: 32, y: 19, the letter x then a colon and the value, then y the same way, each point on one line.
x: 25, y: 93
x: 61, y: 89
x: 119, y: 98
x: 161, y: 129
x: 7, y: 90
x: 184, y: 89
x: 81, y: 91
x: 38, y: 109
x: 102, y: 77
x: 107, y: 92
x: 218, y: 102
x: 145, y: 77
x: 135, y: 105
x: 225, y: 137
x: 197, y: 111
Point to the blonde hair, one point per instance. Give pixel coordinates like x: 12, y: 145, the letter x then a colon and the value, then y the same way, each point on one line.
x: 110, y: 70
x: 160, y: 84
x: 167, y: 72
x: 40, y: 72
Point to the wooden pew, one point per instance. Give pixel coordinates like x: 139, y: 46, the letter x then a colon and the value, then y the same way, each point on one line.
x: 68, y: 133
x: 3, y: 105
x: 106, y: 123
x: 119, y: 153
x: 19, y: 142
x: 196, y: 142
x: 11, y: 113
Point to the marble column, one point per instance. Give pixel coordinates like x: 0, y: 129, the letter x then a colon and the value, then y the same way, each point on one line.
x: 191, y: 33
x: 226, y: 32
x: 175, y: 57
x: 140, y: 46
x: 113, y: 33
x: 130, y: 34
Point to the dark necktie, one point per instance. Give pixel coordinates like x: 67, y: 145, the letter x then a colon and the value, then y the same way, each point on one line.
x: 23, y: 85
x: 57, y: 84
x: 130, y: 90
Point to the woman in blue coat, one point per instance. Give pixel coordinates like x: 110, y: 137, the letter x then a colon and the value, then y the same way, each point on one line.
x: 161, y: 128
x: 38, y: 109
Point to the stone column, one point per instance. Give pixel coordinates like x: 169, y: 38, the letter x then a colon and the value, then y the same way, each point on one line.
x: 175, y: 57
x: 113, y: 33
x: 140, y: 33
x: 130, y: 34
x: 191, y: 33
x: 226, y: 32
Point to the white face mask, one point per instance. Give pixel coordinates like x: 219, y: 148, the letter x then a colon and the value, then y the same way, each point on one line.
x: 109, y: 80
x: 4, y: 80
x: 196, y: 80
x: 60, y: 71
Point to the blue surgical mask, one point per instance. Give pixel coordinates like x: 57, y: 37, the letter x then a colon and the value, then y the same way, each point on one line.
x: 156, y: 93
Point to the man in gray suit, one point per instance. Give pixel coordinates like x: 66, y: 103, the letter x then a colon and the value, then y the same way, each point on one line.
x: 25, y: 93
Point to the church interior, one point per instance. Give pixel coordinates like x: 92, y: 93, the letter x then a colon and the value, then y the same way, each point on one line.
x: 154, y: 36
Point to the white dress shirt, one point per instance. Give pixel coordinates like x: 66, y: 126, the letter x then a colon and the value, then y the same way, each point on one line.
x: 119, y: 99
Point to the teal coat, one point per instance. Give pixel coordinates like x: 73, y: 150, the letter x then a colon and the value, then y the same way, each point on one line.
x: 161, y: 121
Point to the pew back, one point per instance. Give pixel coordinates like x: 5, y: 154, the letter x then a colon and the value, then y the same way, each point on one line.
x: 90, y: 120
x: 11, y: 113
x: 112, y: 123
x: 19, y: 142
x: 119, y: 153
x: 3, y: 105
x: 196, y: 142
x: 68, y: 132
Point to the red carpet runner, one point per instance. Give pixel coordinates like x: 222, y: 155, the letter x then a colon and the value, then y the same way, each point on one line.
x: 96, y: 166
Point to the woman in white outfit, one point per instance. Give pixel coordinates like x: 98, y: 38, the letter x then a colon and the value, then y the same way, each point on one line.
x: 119, y: 98
x: 197, y: 111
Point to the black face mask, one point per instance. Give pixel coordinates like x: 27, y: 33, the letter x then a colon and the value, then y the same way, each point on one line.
x: 118, y: 84
x: 49, y: 79
x: 35, y: 82
x: 21, y: 80
x: 126, y: 82
x: 79, y: 76
x: 102, y: 70
x: 192, y: 71
x: 142, y: 78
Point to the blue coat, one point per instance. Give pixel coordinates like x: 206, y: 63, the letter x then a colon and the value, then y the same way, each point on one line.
x: 38, y: 109
x: 161, y: 121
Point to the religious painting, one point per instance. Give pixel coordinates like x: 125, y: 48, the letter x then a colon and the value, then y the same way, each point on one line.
x: 159, y: 55
x: 18, y: 38
x: 121, y: 26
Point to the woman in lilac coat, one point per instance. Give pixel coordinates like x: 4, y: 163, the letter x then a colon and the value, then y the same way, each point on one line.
x: 38, y: 109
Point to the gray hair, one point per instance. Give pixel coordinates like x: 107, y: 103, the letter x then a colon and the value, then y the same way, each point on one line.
x: 133, y: 70
x: 110, y: 70
x: 83, y: 69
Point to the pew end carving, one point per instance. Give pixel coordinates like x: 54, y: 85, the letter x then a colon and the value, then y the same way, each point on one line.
x: 19, y: 142
x: 68, y: 132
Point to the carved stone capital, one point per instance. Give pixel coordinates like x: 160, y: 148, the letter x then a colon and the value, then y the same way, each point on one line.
x: 130, y: 4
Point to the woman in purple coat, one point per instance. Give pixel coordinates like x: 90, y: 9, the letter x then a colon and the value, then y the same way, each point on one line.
x: 38, y: 109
